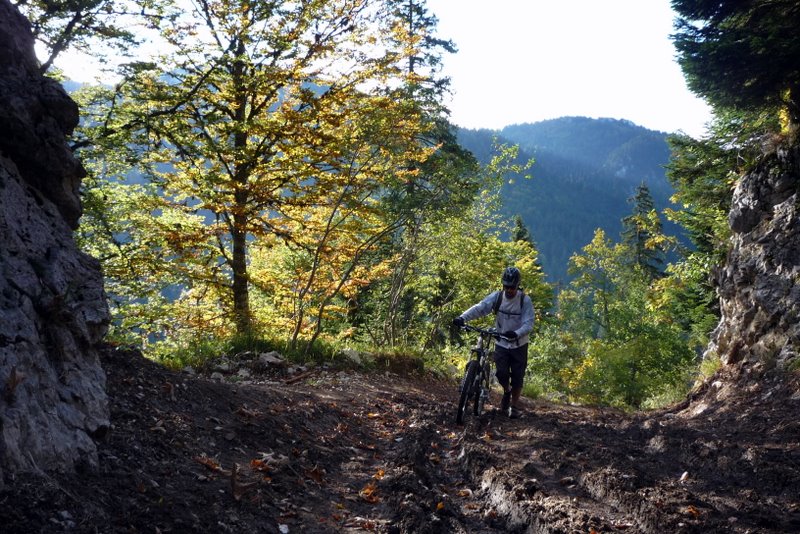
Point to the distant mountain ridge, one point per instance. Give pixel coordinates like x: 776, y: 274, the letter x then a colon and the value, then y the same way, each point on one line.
x: 585, y: 171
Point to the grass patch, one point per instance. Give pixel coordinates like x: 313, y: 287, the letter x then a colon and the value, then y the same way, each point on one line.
x: 709, y: 366
x: 203, y: 353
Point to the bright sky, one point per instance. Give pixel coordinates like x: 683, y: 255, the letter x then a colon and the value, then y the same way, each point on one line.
x: 530, y: 60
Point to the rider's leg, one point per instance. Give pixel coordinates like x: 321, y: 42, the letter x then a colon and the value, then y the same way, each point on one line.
x: 518, y: 361
x: 502, y: 362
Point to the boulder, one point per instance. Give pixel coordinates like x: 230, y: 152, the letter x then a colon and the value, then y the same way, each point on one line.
x: 758, y: 286
x: 53, y: 310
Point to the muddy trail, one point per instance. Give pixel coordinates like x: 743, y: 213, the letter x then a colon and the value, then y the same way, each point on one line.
x: 341, y: 451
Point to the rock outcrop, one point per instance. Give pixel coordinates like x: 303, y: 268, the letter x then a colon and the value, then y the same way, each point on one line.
x: 53, y: 311
x: 758, y: 286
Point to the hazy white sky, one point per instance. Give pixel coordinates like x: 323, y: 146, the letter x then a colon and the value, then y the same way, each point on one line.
x: 530, y: 60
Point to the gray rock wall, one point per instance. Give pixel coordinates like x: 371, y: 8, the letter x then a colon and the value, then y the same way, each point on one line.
x: 53, y: 311
x: 35, y: 115
x: 758, y: 286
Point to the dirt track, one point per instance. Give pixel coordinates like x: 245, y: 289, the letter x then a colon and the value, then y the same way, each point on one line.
x: 348, y: 452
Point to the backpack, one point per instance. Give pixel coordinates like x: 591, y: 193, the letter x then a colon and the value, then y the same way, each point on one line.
x: 499, y: 300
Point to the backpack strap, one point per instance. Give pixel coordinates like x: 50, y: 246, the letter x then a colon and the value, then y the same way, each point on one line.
x: 499, y: 300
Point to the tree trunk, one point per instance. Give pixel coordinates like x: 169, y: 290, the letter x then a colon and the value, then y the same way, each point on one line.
x: 241, y: 291
x: 240, y: 283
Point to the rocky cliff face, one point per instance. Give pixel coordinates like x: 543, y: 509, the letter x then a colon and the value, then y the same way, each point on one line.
x: 53, y: 311
x: 759, y: 290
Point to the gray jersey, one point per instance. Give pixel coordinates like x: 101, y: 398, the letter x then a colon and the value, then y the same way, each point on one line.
x: 514, y: 314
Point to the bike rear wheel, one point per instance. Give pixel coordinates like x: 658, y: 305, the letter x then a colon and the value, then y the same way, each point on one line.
x: 467, y: 389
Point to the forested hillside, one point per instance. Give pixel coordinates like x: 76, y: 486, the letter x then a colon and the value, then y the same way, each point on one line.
x: 584, y: 175
x: 285, y: 202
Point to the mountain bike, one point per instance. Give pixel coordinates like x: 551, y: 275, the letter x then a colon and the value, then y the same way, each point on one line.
x: 476, y: 386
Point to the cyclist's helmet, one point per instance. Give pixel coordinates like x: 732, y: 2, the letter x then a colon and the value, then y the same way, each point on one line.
x: 511, y: 277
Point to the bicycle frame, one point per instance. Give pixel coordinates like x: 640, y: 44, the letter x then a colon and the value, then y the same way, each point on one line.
x: 476, y: 385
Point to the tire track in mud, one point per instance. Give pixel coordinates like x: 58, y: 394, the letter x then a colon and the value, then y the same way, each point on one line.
x: 529, y: 488
x: 426, y: 488
x: 492, y: 475
x: 572, y: 469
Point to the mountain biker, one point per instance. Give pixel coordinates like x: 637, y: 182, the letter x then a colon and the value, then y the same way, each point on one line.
x: 514, y: 320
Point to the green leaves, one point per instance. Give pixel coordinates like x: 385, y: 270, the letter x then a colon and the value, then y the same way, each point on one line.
x: 616, y: 340
x: 99, y: 28
x: 280, y: 134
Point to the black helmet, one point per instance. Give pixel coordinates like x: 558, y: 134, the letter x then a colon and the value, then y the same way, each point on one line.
x: 511, y: 277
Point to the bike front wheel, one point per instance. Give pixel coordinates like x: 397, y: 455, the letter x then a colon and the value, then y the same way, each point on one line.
x: 467, y: 389
x: 482, y: 390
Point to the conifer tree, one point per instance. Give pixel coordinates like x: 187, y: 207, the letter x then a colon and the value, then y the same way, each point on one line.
x: 520, y: 231
x: 742, y: 55
x: 642, y: 234
x: 442, y: 185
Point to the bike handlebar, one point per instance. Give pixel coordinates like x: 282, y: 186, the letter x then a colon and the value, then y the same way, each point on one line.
x: 485, y: 332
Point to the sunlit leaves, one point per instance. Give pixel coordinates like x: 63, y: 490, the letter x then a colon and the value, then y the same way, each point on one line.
x: 267, y: 135
x: 615, y: 342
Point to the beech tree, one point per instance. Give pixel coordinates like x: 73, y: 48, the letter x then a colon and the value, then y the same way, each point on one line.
x: 617, y: 346
x: 455, y: 259
x: 262, y: 121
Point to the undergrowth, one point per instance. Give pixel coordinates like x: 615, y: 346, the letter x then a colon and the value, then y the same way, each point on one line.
x: 200, y: 353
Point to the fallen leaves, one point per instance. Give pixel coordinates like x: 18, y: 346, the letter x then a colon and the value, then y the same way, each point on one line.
x: 369, y: 493
x: 316, y: 474
x: 246, y: 412
x: 362, y: 523
x: 239, y: 488
x: 210, y: 463
x: 259, y: 464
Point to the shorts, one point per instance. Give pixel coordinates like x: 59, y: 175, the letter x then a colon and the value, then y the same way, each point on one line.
x: 511, y: 363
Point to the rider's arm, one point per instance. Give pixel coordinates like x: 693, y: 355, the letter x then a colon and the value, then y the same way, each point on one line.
x: 528, y: 316
x: 481, y: 309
